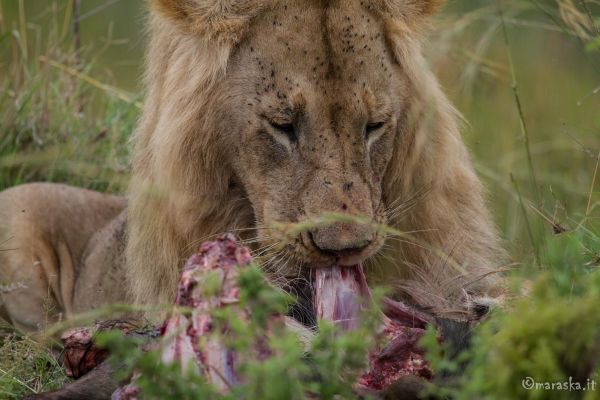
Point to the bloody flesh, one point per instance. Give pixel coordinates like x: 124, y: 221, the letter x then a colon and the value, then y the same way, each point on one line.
x: 338, y: 294
x: 81, y: 354
x: 192, y: 341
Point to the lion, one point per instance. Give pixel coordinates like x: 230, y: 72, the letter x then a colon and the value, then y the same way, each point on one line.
x: 263, y: 114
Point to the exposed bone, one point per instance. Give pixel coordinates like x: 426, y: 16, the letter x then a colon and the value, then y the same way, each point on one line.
x: 182, y: 334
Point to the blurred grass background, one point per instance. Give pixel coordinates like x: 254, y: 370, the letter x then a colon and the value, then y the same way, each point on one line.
x: 524, y: 73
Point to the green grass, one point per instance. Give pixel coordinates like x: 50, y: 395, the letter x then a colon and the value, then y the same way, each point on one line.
x: 528, y: 84
x: 26, y: 366
x: 57, y: 122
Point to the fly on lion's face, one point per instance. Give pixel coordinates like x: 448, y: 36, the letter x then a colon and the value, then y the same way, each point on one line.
x: 315, y: 137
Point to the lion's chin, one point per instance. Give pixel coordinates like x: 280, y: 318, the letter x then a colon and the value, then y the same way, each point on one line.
x: 355, y: 259
x: 311, y: 257
x: 327, y: 261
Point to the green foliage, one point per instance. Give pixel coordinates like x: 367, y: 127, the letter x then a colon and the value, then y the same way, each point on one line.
x: 27, y: 366
x: 551, y: 335
x: 259, y: 299
x: 548, y: 338
x: 336, y: 356
x: 593, y: 45
x: 279, y: 377
x: 156, y: 380
x: 56, y: 122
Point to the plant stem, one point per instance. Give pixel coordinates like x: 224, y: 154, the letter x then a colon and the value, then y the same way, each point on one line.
x: 23, y: 28
x: 2, y: 28
x: 589, y: 204
x: 67, y: 19
x: 536, y: 251
x: 523, y: 124
x: 590, y: 16
x: 76, y: 27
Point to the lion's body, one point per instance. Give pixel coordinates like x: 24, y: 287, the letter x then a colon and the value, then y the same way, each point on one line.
x: 206, y: 162
x: 61, y: 252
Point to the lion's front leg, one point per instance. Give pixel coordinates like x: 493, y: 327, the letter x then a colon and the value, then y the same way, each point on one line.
x: 44, y: 235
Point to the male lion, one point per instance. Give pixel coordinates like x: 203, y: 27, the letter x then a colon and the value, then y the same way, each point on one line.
x: 264, y: 113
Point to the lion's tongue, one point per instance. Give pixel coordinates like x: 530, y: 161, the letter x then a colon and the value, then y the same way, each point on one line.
x: 338, y: 293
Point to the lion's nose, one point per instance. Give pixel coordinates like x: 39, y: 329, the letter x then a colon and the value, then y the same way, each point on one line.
x: 343, y: 239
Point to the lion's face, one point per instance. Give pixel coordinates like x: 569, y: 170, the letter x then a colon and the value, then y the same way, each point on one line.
x: 314, y: 104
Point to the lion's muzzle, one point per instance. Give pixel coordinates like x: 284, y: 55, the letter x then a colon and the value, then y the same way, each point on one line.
x: 349, y: 242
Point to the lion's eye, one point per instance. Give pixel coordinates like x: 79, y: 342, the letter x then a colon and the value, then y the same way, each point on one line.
x: 286, y: 129
x: 372, y: 128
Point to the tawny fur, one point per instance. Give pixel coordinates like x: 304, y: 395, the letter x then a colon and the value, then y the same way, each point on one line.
x: 60, y: 253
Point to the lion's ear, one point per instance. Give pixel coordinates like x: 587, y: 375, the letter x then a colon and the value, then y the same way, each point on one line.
x: 225, y: 20
x: 410, y: 11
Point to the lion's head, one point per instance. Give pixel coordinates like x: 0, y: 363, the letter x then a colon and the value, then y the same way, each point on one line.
x: 264, y: 112
x: 314, y: 102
